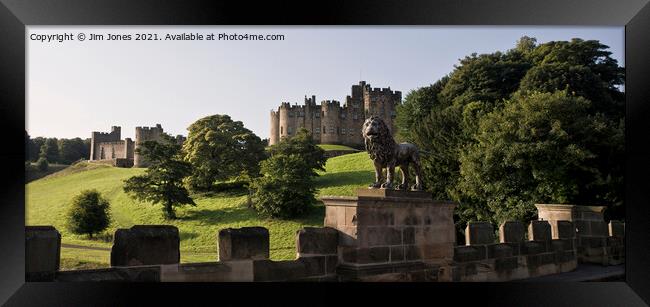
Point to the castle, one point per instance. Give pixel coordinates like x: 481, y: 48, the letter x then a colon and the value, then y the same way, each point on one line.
x: 109, y: 146
x: 331, y: 123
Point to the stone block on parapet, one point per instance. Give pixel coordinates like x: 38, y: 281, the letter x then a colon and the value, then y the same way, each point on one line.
x: 243, y: 243
x: 146, y: 245
x: 479, y: 233
x: 533, y: 247
x: 115, y: 274
x: 599, y: 228
x: 317, y: 240
x: 616, y: 229
x: 539, y: 231
x: 470, y: 253
x: 373, y: 193
x: 512, y: 232
x: 565, y: 230
x: 500, y: 250
x: 42, y: 252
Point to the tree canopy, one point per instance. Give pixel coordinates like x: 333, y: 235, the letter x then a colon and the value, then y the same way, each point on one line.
x: 219, y: 148
x: 162, y: 182
x: 536, y: 123
x: 286, y: 188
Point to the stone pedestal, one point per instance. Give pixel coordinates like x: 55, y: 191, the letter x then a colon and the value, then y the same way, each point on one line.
x: 391, y: 235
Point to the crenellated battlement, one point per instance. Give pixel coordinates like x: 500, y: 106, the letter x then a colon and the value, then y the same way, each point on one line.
x: 332, y: 122
x: 108, y: 146
x: 409, y: 245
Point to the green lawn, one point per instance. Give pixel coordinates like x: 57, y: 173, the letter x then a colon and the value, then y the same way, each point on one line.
x: 47, y: 200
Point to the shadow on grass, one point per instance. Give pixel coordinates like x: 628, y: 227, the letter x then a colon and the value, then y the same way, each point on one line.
x: 356, y: 178
x: 219, y: 216
x: 184, y: 235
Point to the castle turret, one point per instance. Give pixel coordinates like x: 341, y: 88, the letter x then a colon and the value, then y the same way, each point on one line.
x: 143, y: 134
x: 330, y: 122
x: 275, y: 126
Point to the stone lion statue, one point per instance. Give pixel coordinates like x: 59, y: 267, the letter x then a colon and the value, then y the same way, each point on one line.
x: 386, y: 153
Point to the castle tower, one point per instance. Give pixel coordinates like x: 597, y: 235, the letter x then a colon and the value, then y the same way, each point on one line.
x: 99, y: 137
x: 275, y: 125
x: 143, y: 134
x: 330, y: 122
x: 383, y: 103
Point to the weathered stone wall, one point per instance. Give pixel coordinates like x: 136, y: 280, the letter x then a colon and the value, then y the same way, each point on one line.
x: 595, y: 243
x: 99, y: 137
x: 381, y: 235
x: 42, y: 253
x: 146, y: 245
x: 482, y: 259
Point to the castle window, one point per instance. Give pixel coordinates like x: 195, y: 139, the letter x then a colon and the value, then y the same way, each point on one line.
x: 343, y: 131
x: 317, y: 130
x: 331, y: 130
x: 289, y: 130
x: 281, y: 130
x: 316, y: 114
x: 393, y: 114
x: 350, y: 131
x: 355, y: 116
x: 324, y: 130
x: 342, y: 115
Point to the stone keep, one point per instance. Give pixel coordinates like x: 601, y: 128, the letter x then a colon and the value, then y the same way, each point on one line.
x: 391, y: 234
x: 332, y: 123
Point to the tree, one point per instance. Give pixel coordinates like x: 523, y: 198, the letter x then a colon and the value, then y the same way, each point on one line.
x: 219, y: 148
x: 447, y: 122
x: 89, y: 213
x: 50, y: 150
x: 42, y: 164
x: 541, y: 148
x: 303, y: 145
x: 72, y: 150
x: 162, y: 182
x: 286, y: 187
x: 35, y: 148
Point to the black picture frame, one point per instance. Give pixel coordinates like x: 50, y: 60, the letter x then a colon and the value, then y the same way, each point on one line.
x: 15, y: 15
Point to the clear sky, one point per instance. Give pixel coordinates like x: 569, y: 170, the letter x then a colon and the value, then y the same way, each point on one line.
x: 77, y: 87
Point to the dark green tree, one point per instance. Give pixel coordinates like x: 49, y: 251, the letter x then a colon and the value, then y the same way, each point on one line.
x: 35, y: 148
x: 540, y: 148
x: 303, y: 145
x: 42, y: 164
x: 286, y: 188
x: 162, y: 182
x: 50, y: 150
x: 218, y: 149
x: 72, y: 150
x: 88, y: 213
x: 481, y: 86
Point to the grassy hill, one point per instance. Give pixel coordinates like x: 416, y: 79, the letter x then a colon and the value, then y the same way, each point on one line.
x: 48, y: 198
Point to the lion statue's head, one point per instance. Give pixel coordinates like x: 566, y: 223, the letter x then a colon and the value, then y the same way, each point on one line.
x: 378, y: 140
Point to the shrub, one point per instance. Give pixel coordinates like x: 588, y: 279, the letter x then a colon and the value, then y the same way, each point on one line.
x: 42, y: 164
x: 286, y: 188
x: 285, y: 191
x: 89, y: 213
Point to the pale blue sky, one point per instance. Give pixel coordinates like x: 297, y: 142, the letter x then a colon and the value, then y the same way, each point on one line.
x: 77, y: 87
